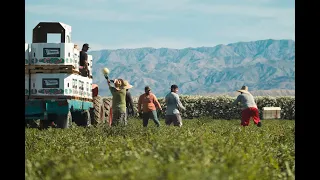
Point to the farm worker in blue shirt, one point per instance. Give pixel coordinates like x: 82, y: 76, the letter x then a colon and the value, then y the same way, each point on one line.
x: 173, y: 103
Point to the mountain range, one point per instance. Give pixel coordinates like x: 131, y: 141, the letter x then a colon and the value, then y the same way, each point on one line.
x: 263, y: 65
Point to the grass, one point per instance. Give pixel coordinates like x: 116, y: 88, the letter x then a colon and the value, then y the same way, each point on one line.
x: 200, y: 149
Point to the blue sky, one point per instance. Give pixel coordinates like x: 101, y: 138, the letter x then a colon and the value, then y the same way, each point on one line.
x: 115, y: 24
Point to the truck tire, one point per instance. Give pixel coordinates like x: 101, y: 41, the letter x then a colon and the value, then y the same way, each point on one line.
x: 97, y: 112
x: 31, y: 123
x: 64, y: 121
x: 86, y: 118
x: 107, y: 107
x: 81, y: 118
x: 77, y: 117
x: 44, y: 124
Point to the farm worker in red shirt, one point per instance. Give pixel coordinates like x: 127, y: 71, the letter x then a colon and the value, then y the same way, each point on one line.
x: 150, y: 104
x: 249, y: 107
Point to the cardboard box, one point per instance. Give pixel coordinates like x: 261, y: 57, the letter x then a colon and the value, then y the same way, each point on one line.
x: 58, y: 84
x: 76, y: 57
x: 88, y: 88
x: 27, y: 54
x: 67, y: 30
x: 26, y: 84
x: 90, y: 60
x: 271, y: 113
x: 85, y: 85
x: 53, y: 54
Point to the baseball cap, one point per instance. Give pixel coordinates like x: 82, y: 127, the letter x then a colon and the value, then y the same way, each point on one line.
x: 147, y: 88
x: 86, y: 45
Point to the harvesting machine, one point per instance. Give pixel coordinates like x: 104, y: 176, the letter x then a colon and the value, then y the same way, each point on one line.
x: 55, y: 92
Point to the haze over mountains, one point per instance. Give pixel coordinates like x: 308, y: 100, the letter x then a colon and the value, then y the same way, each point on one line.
x: 261, y: 65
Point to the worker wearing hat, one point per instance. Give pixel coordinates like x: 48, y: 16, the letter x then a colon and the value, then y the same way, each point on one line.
x: 119, y: 112
x: 149, y: 104
x: 249, y: 107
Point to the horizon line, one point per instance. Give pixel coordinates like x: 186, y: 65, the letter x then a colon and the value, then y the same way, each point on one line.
x: 192, y: 47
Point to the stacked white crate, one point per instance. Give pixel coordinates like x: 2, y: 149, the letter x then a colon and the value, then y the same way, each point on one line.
x: 76, y: 57
x: 89, y: 88
x: 54, y: 54
x: 86, y: 87
x: 27, y: 53
x: 26, y: 84
x: 26, y: 62
x: 57, y: 84
x: 90, y: 59
x: 62, y: 84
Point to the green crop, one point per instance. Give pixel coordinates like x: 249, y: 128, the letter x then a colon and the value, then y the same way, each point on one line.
x: 201, y: 149
x: 199, y: 106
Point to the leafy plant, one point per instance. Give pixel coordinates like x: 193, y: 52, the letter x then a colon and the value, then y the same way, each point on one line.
x: 198, y: 106
x: 203, y: 148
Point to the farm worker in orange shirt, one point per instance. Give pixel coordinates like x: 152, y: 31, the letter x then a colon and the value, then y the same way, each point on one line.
x: 150, y: 104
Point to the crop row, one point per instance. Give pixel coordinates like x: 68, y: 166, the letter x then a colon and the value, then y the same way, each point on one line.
x: 199, y: 106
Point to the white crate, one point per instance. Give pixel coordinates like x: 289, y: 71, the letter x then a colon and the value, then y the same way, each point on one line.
x: 58, y: 84
x: 27, y: 53
x: 53, y: 54
x: 90, y: 60
x: 76, y: 57
x: 271, y: 113
x: 67, y: 30
x: 88, y: 88
x: 26, y: 84
x: 85, y: 87
x: 81, y: 86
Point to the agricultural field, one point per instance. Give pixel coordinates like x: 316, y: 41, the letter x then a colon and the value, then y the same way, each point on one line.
x: 202, y: 148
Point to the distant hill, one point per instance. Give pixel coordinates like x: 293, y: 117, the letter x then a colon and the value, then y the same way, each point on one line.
x: 261, y: 65
x: 273, y: 92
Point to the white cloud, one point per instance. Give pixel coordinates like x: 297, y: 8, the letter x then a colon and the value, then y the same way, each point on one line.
x: 265, y: 29
x: 146, y: 10
x: 246, y: 7
x: 268, y: 22
x: 243, y: 10
x: 90, y: 14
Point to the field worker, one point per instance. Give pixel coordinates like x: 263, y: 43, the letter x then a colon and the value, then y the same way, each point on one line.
x: 129, y: 103
x: 118, y: 92
x: 150, y: 104
x: 83, y: 63
x: 249, y: 107
x: 173, y: 105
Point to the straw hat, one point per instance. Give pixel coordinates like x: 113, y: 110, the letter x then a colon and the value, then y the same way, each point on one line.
x: 244, y: 89
x: 126, y: 85
x: 122, y: 84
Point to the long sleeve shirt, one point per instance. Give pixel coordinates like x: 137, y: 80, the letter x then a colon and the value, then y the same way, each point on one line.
x: 246, y: 100
x: 118, y: 99
x: 148, y: 102
x: 173, y: 103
